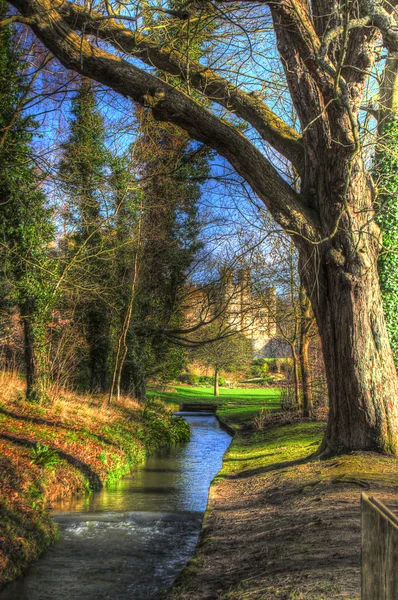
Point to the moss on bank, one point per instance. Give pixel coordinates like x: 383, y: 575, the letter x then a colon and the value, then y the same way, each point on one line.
x: 74, y: 445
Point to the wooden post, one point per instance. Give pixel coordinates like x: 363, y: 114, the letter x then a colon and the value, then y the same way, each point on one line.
x: 379, y: 551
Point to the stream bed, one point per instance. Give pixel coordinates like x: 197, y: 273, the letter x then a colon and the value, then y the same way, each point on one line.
x: 130, y: 541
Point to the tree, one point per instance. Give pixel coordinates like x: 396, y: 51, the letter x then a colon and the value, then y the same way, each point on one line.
x: 26, y: 228
x: 171, y: 171
x: 385, y: 175
x: 327, y: 52
x: 292, y: 314
x: 229, y: 353
x: 83, y: 178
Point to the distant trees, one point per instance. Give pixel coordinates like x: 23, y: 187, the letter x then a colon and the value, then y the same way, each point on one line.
x: 291, y: 314
x: 228, y: 353
x: 27, y: 269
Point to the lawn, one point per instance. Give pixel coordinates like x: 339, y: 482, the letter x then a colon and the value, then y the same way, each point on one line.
x: 237, y: 406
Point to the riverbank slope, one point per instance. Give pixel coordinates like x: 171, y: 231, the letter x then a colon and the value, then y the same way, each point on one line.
x: 280, y: 526
x: 49, y: 452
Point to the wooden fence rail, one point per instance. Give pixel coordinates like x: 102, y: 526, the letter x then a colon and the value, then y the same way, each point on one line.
x: 379, y: 551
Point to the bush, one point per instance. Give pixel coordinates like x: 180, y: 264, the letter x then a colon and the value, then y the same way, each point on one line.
x: 46, y: 457
x: 189, y: 378
x: 260, y: 367
x: 206, y: 380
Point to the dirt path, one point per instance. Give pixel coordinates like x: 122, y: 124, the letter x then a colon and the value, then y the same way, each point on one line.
x: 281, y: 527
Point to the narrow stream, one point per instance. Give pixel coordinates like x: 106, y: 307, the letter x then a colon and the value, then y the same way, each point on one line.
x: 131, y: 540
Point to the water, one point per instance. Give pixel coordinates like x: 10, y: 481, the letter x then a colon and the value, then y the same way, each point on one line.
x: 130, y: 541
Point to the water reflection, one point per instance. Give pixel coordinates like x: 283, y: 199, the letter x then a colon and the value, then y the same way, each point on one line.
x: 130, y: 541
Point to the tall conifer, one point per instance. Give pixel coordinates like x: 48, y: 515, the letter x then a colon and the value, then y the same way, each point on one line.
x: 83, y: 171
x: 26, y: 227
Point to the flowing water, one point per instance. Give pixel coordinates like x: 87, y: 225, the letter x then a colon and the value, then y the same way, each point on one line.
x: 130, y: 541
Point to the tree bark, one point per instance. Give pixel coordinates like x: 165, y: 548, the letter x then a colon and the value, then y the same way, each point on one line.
x: 216, y: 382
x: 139, y: 387
x: 34, y: 354
x: 342, y: 282
x: 296, y: 374
x: 306, y: 383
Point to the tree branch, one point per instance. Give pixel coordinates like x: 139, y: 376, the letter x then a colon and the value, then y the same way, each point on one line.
x: 273, y: 129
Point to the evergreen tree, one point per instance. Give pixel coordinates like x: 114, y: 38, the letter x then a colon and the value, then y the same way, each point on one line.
x: 83, y: 170
x: 171, y: 171
x: 26, y: 227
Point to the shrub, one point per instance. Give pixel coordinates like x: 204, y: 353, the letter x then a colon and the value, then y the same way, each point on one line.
x: 189, y: 378
x: 262, y: 419
x: 206, y: 380
x: 45, y: 456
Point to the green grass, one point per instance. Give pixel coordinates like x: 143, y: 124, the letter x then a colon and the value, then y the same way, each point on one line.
x: 237, y: 406
x: 256, y: 452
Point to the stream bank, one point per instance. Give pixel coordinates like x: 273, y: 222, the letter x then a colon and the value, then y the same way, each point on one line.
x: 280, y: 526
x: 51, y: 452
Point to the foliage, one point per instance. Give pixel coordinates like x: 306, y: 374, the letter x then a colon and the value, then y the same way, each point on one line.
x: 83, y: 169
x: 231, y: 353
x: 387, y: 218
x: 27, y: 270
x: 172, y: 170
x: 189, y: 378
x: 45, y: 456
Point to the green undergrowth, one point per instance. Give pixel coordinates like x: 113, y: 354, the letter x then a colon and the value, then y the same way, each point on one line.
x: 237, y: 407
x: 73, y: 446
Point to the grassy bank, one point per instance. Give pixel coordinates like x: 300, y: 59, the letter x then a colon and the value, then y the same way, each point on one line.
x: 76, y: 444
x: 281, y: 525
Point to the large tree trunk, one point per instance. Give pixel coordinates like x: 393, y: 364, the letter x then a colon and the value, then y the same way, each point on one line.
x: 342, y: 282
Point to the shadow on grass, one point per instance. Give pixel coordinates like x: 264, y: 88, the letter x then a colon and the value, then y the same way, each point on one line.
x: 273, y: 467
x: 92, y: 476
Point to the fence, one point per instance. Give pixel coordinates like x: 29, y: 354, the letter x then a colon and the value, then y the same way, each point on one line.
x: 379, y: 551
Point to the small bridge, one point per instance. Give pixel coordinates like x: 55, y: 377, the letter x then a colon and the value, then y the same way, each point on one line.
x: 199, y: 407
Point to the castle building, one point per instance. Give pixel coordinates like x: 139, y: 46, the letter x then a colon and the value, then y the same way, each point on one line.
x: 253, y: 314
x: 237, y: 306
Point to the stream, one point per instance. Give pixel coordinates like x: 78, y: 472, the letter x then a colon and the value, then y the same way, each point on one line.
x: 131, y: 540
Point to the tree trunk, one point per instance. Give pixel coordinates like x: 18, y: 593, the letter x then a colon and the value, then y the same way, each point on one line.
x: 139, y: 387
x: 216, y: 382
x: 306, y: 383
x: 296, y: 374
x: 34, y: 354
x: 98, y: 339
x: 362, y: 381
